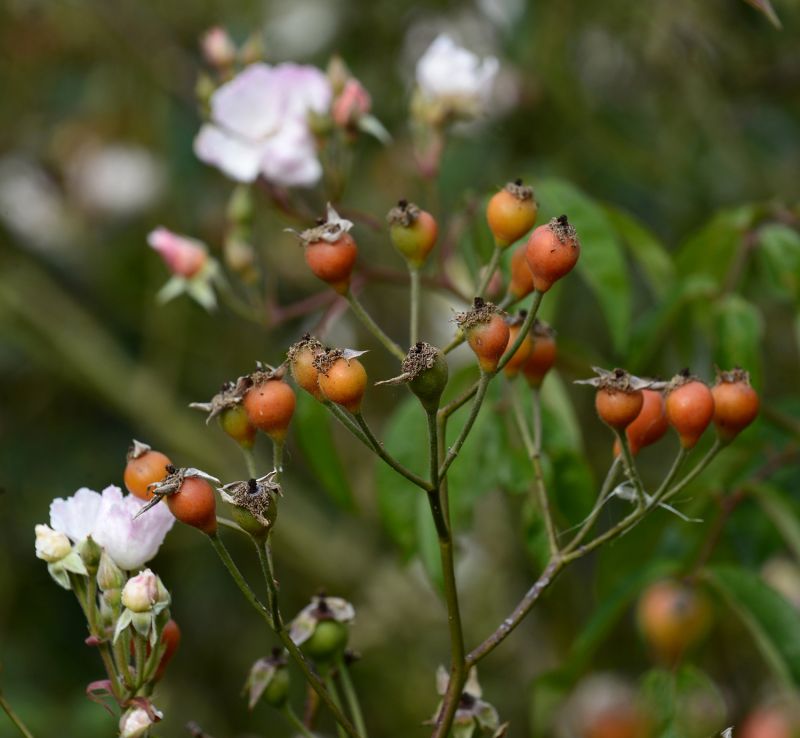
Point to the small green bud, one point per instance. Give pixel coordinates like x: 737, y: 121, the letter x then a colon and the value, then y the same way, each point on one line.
x: 109, y: 575
x: 268, y: 680
x: 91, y: 553
x: 240, y: 205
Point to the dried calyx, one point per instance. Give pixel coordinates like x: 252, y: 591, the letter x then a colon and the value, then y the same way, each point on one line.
x: 519, y: 190
x: 331, y: 229
x: 230, y: 395
x: 481, y: 312
x: 404, y: 214
x: 137, y: 449
x: 257, y: 496
x: 517, y: 319
x: 540, y: 329
x: 563, y: 230
x: 171, y: 484
x: 265, y: 373
x: 618, y: 380
x: 733, y: 376
x: 326, y: 359
x: 306, y: 343
x: 684, y: 376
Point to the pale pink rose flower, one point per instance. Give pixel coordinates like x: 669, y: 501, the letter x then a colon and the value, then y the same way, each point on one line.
x: 108, y: 518
x: 140, y: 592
x: 353, y: 103
x: 184, y: 256
x: 259, y: 125
x: 456, y: 78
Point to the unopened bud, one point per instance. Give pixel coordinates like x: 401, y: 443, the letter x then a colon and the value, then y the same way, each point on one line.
x: 51, y: 546
x: 90, y: 552
x: 141, y: 592
x: 218, y: 47
x: 109, y: 575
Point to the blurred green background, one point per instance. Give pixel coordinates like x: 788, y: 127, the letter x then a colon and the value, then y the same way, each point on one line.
x: 676, y: 125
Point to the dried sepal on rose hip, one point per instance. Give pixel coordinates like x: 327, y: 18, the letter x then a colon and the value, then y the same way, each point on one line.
x: 321, y: 629
x: 552, y: 251
x: 619, y: 396
x: 736, y: 403
x: 143, y: 467
x: 486, y: 331
x: 425, y: 371
x: 270, y: 401
x: 227, y: 407
x: 511, y: 213
x: 254, y: 503
x: 413, y: 232
x: 301, y: 357
x: 330, y: 250
x: 268, y: 680
x: 523, y: 353
x: 342, y: 378
x: 543, y: 353
x: 189, y: 497
x: 689, y: 407
x: 473, y: 712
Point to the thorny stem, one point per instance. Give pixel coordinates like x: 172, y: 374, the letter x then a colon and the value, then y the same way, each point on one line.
x: 378, y: 448
x: 14, y: 718
x: 280, y: 631
x: 480, y: 394
x: 351, y: 696
x: 630, y: 468
x: 488, y: 273
x: 534, y: 454
x: 373, y: 327
x: 295, y: 721
x: 413, y: 272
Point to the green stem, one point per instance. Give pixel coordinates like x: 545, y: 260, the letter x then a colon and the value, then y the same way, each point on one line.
x: 630, y: 468
x: 671, y: 474
x: 524, y: 330
x: 692, y: 475
x: 351, y: 696
x: 236, y: 575
x: 341, y: 415
x: 535, y: 457
x: 378, y: 448
x: 121, y: 649
x: 491, y: 268
x: 455, y: 342
x: 268, y: 570
x: 140, y: 659
x: 413, y: 273
x: 330, y: 685
x: 611, y: 476
x: 296, y: 722
x: 250, y: 460
x: 480, y: 394
x: 14, y: 718
x: 537, y: 420
x: 373, y: 327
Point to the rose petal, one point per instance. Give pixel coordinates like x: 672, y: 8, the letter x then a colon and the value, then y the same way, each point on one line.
x: 75, y: 516
x: 237, y: 158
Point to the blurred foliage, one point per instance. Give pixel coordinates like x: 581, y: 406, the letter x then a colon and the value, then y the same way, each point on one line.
x: 667, y: 130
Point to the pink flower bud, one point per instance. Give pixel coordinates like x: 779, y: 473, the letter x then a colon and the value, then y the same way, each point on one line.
x: 352, y: 104
x: 218, y: 47
x: 184, y: 256
x: 140, y: 592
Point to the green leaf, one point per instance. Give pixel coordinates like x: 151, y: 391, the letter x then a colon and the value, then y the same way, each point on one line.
x: 602, y: 263
x: 779, y: 253
x: 738, y: 330
x: 712, y: 250
x: 313, y: 425
x: 560, y: 424
x: 645, y: 249
x: 771, y: 620
x: 405, y: 437
x: 780, y: 511
x: 683, y: 704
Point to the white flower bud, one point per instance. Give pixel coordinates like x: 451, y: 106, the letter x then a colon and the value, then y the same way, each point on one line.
x: 140, y: 592
x: 51, y: 546
x: 134, y: 723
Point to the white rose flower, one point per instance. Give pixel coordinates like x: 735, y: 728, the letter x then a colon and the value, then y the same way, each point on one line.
x: 453, y: 81
x: 259, y: 125
x: 51, y: 546
x: 109, y: 519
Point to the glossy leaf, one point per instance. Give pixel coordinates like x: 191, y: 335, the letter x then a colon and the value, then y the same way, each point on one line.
x: 781, y: 512
x: 313, y: 433
x: 779, y: 253
x: 601, y: 263
x: 738, y: 329
x: 771, y: 620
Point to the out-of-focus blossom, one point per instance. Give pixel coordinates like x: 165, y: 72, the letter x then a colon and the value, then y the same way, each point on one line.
x: 321, y: 608
x: 137, y: 721
x: 218, y: 47
x: 193, y: 271
x: 453, y: 82
x: 259, y: 125
x: 32, y: 205
x: 353, y: 103
x: 473, y: 713
x: 140, y: 592
x: 184, y: 256
x: 116, y: 180
x: 51, y: 545
x: 287, y: 30
x: 109, y: 519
